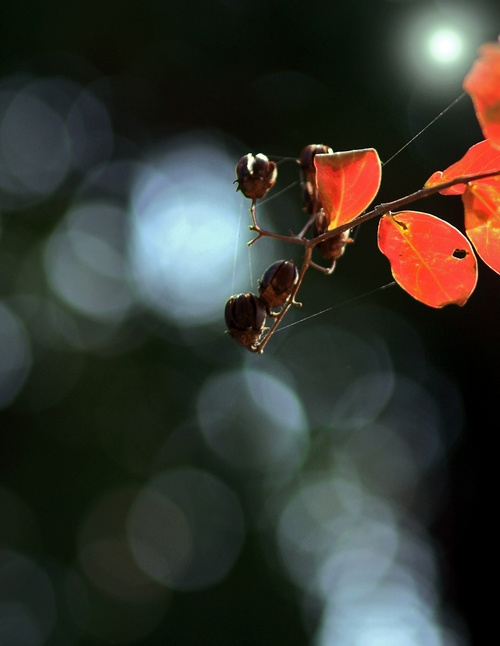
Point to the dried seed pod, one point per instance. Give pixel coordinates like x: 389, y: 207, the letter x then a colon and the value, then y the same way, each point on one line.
x: 310, y: 194
x: 310, y: 198
x: 307, y: 158
x: 245, y: 317
x: 255, y: 175
x: 277, y: 283
x: 334, y: 247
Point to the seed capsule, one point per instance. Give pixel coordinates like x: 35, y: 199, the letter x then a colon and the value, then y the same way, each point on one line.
x: 255, y: 175
x: 307, y: 157
x: 334, y: 247
x: 277, y: 283
x: 245, y: 317
x: 310, y: 193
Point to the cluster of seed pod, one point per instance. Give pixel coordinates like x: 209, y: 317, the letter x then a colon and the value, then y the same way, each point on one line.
x: 245, y: 314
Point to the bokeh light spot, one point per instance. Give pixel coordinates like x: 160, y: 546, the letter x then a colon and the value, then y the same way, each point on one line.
x: 48, y: 128
x: 103, y: 550
x: 253, y: 420
x: 160, y: 536
x: 84, y: 261
x: 15, y: 355
x: 185, y: 219
x: 27, y: 601
x: 35, y: 152
x: 186, y: 529
x: 445, y: 45
x: 345, y: 364
x: 90, y: 130
x: 438, y: 46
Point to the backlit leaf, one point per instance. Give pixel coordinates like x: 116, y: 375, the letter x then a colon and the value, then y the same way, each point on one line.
x: 482, y: 219
x: 347, y: 183
x: 480, y: 158
x: 430, y: 259
x: 483, y: 85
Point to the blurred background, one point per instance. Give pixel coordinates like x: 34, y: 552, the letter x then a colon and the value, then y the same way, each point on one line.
x: 158, y: 483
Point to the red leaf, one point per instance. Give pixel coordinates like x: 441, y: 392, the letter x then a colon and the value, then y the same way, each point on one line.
x: 429, y: 258
x: 480, y: 158
x: 482, y: 219
x: 347, y: 183
x: 483, y: 85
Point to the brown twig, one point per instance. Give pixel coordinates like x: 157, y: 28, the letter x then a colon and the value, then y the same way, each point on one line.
x: 403, y: 201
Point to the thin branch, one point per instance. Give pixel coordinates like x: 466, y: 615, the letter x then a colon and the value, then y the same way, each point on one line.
x: 403, y: 201
x: 310, y: 243
x: 289, y: 302
x: 262, y: 233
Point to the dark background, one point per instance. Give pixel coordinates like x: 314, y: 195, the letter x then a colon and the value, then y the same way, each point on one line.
x: 93, y: 417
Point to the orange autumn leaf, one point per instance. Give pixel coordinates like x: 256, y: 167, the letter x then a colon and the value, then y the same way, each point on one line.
x: 347, y: 183
x: 482, y: 83
x: 480, y: 158
x: 482, y: 219
x: 430, y: 259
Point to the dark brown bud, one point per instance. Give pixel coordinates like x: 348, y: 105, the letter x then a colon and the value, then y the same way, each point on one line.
x: 255, y: 175
x: 310, y: 194
x: 307, y: 160
x: 277, y: 283
x: 245, y: 317
x: 334, y: 247
x: 310, y: 198
x: 308, y: 154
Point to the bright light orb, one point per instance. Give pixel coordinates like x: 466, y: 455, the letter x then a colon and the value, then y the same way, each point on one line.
x: 435, y: 48
x: 445, y: 46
